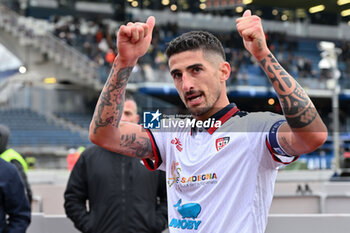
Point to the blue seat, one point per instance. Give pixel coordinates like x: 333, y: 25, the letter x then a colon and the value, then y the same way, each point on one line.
x: 28, y: 128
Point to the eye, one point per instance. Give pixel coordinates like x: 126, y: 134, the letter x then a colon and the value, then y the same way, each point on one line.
x: 196, y: 69
x: 177, y: 75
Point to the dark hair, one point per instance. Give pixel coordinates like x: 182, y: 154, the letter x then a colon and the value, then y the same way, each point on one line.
x: 128, y: 96
x: 195, y: 40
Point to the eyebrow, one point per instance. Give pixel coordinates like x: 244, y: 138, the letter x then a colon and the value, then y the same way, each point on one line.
x: 187, y: 68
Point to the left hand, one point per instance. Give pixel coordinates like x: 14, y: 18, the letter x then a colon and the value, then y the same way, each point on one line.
x: 250, y: 28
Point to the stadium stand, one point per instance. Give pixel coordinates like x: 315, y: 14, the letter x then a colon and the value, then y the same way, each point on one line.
x: 77, y: 118
x: 29, y: 129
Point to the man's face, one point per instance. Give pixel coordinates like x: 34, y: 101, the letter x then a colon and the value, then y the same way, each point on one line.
x: 130, y: 112
x: 199, y: 80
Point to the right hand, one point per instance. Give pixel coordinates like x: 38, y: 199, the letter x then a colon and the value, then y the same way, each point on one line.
x: 250, y: 28
x: 133, y: 40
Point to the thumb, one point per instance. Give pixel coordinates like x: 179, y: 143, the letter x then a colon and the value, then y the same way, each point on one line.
x: 151, y: 21
x: 247, y: 13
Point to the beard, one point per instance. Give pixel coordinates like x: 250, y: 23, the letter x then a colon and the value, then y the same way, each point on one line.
x: 200, y: 111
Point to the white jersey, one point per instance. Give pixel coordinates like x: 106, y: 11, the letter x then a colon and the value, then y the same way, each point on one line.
x: 221, y: 179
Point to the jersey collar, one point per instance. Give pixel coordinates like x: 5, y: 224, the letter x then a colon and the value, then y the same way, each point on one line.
x: 223, y: 115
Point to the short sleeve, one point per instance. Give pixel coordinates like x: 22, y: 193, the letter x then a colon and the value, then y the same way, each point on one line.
x: 263, y: 130
x: 158, y: 160
x: 159, y: 140
x: 277, y: 152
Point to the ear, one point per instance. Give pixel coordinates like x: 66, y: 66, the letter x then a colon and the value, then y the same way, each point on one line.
x: 225, y: 71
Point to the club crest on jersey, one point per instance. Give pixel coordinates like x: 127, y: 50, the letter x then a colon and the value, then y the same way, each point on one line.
x: 177, y: 143
x: 221, y: 142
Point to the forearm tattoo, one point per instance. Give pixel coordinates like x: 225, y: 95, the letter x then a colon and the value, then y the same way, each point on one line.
x: 296, y: 105
x: 140, y: 146
x: 112, y: 95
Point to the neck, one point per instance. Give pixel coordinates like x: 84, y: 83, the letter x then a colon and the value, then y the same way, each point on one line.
x: 220, y: 104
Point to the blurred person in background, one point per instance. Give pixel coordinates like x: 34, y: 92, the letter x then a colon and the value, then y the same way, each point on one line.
x: 12, y: 156
x: 15, y: 213
x: 220, y: 177
x: 122, y: 195
x: 73, y: 156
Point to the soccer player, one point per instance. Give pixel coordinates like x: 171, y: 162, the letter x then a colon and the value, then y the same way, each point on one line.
x: 220, y: 178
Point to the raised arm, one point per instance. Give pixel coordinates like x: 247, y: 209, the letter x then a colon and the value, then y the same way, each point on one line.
x: 106, y: 129
x: 304, y: 131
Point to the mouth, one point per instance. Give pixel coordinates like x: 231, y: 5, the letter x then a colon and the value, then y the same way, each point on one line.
x: 194, y: 99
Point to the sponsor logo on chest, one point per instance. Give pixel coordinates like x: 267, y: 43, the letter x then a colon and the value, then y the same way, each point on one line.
x: 189, y: 212
x: 177, y: 144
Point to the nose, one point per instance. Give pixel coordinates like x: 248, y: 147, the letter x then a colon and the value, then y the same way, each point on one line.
x: 187, y: 83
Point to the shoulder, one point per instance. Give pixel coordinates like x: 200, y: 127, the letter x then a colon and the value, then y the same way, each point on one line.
x: 93, y: 152
x: 255, y: 121
x: 263, y: 118
x: 6, y: 166
x: 169, y: 126
x: 7, y: 169
x: 249, y: 116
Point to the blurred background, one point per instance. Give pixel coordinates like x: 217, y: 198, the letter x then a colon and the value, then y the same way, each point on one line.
x: 55, y: 56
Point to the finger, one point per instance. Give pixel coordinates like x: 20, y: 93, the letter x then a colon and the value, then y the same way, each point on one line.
x: 247, y: 13
x: 145, y: 30
x: 239, y: 31
x: 141, y: 31
x: 144, y: 27
x: 151, y: 21
x: 249, y: 34
x: 134, y: 34
x: 244, y: 23
x: 125, y: 31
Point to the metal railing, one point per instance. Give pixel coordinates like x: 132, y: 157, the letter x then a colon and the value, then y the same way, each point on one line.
x: 36, y: 33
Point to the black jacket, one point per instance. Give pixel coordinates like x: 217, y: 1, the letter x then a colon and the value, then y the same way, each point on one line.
x: 122, y: 195
x: 14, y: 205
x: 4, y: 139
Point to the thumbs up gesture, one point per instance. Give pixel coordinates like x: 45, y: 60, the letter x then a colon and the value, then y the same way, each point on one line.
x: 133, y: 40
x: 250, y: 28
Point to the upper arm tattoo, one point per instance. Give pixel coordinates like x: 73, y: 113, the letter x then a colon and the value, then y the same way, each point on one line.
x: 112, y: 95
x: 297, y: 106
x: 286, y: 146
x: 139, y: 146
